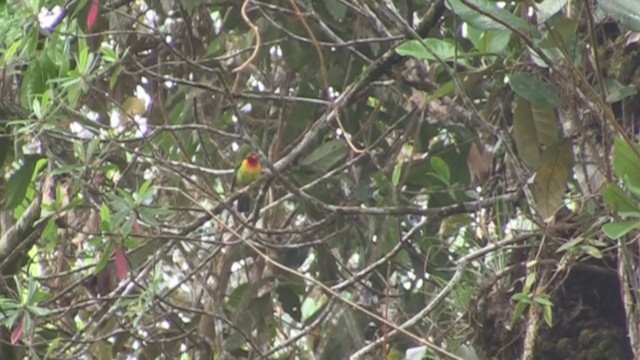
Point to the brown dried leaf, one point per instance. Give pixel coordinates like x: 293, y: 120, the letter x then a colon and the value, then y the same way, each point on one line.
x: 479, y: 161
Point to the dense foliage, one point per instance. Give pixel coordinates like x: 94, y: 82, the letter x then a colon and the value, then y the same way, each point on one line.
x: 442, y: 179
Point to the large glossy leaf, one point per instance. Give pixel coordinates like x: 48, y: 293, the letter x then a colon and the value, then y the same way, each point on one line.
x: 430, y: 49
x: 618, y: 229
x: 618, y: 200
x: 551, y: 178
x: 627, y: 11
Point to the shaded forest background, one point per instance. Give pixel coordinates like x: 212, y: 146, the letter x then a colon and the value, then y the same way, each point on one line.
x: 443, y: 179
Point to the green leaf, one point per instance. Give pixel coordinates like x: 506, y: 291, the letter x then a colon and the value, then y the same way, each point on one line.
x: 310, y: 308
x: 237, y: 295
x: 548, y: 315
x: 617, y: 91
x: 552, y: 175
x: 528, y: 284
x: 337, y: 9
x: 467, y: 352
x: 617, y: 230
x: 442, y: 49
x: 325, y: 156
x: 570, y: 244
x: 480, y: 21
x: 489, y: 41
x: 397, y: 171
x: 625, y: 162
x: 592, y: 250
x: 105, y: 218
x: 528, y: 86
x: 519, y: 310
x: 19, y: 182
x: 445, y: 89
x: 547, y: 8
x: 533, y: 126
x: 441, y: 168
x: 626, y: 11
x: 617, y: 199
x: 543, y: 300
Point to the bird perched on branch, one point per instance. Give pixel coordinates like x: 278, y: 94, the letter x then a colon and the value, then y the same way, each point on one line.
x: 247, y: 172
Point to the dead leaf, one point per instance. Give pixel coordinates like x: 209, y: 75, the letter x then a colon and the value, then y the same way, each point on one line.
x: 479, y: 161
x: 16, y: 334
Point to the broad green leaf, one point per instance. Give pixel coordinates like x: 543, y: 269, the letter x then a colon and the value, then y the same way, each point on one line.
x: 484, y: 22
x: 467, y: 352
x: 616, y: 230
x: 547, y: 8
x: 617, y: 199
x: 442, y: 49
x: 236, y: 297
x: 533, y: 89
x: 625, y: 162
x: 559, y: 42
x: 325, y: 156
x: 626, y: 11
x: 441, y: 168
x: 551, y: 178
x: 533, y: 126
x: 489, y: 41
x: 19, y: 182
x: 36, y: 79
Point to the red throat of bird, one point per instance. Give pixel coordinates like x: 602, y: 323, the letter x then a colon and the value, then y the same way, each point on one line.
x: 252, y: 161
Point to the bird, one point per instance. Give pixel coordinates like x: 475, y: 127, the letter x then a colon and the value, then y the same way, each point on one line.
x: 247, y: 172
